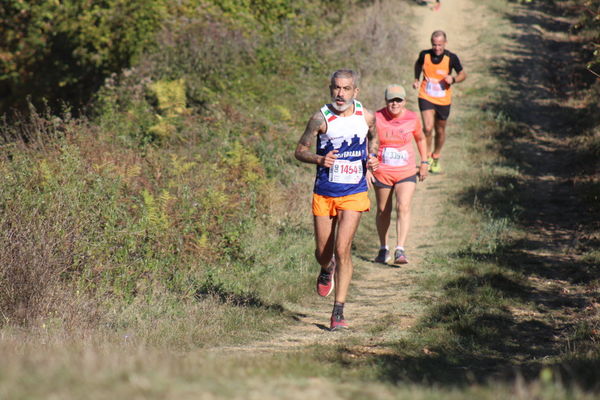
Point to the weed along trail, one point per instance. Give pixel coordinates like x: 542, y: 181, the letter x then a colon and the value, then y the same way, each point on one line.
x: 384, y: 295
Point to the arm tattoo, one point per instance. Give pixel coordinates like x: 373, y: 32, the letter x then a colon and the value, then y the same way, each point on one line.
x: 312, y: 128
x: 303, y: 152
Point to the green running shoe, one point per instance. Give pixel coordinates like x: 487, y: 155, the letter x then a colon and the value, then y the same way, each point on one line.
x: 435, y: 167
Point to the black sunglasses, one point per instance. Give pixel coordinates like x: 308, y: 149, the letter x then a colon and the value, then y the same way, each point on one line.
x: 397, y: 100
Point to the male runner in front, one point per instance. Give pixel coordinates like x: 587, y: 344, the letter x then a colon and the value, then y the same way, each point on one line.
x: 343, y: 130
x: 435, y: 92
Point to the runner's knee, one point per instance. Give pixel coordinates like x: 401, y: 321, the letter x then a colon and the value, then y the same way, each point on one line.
x: 403, y: 209
x: 343, y: 256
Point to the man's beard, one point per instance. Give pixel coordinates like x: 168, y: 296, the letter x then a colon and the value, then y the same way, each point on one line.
x: 343, y: 107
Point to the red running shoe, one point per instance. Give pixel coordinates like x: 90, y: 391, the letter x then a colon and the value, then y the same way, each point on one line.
x: 337, y: 323
x: 325, y: 280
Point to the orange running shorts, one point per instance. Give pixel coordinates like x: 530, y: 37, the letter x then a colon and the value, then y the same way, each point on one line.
x: 324, y: 206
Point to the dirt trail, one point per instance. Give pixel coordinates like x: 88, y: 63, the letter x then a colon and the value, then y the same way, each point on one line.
x: 380, y: 292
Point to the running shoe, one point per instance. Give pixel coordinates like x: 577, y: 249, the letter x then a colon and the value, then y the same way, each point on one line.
x: 383, y: 256
x: 325, y: 281
x: 400, y: 257
x: 337, y: 323
x: 435, y: 166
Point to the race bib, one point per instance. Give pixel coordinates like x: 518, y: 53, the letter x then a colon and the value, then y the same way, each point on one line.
x: 344, y: 171
x: 435, y: 88
x: 394, y: 157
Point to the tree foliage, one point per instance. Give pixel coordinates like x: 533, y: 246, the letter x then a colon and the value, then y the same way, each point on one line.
x: 62, y: 49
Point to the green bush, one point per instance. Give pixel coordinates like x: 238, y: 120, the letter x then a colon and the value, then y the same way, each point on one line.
x: 61, y: 50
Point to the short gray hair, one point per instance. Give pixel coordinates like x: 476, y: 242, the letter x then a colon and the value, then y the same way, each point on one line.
x: 346, y: 74
x: 438, y: 34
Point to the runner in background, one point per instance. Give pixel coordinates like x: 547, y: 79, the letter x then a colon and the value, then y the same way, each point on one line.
x: 435, y: 92
x: 343, y: 130
x: 396, y: 176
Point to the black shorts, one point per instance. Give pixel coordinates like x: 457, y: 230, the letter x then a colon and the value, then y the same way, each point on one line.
x: 412, y: 178
x: 441, y: 112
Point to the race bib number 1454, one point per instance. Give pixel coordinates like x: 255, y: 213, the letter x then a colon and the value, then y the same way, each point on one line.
x: 344, y: 171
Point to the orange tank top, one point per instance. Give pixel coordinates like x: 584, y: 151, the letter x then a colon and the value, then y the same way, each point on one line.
x: 433, y: 87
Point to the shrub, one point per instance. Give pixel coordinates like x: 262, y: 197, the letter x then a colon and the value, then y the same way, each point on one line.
x: 63, y: 50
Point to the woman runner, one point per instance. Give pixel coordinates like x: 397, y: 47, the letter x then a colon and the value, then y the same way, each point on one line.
x: 397, y: 174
